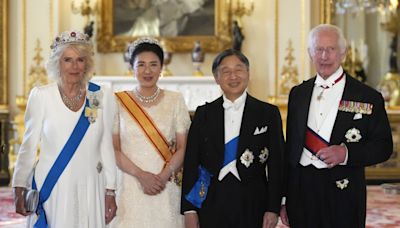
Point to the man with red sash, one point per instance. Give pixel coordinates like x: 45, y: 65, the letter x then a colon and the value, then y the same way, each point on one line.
x: 233, y: 160
x: 336, y: 126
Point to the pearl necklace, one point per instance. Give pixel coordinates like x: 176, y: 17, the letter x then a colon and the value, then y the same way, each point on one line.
x: 145, y: 99
x: 71, y: 103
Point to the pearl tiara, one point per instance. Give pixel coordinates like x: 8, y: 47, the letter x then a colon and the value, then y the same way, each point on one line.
x: 68, y: 37
x: 144, y: 40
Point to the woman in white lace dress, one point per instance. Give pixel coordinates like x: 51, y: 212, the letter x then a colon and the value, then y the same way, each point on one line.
x: 149, y: 140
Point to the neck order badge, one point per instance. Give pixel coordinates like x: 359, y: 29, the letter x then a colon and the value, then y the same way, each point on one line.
x: 324, y: 87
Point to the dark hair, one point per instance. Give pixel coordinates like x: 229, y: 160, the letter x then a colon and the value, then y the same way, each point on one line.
x: 228, y: 52
x: 147, y: 47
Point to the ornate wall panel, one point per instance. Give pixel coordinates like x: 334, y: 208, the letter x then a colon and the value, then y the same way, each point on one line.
x: 3, y: 56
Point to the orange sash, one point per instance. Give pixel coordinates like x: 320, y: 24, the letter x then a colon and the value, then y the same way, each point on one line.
x: 146, y: 123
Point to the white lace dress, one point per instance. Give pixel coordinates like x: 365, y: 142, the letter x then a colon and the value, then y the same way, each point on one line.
x: 136, y: 209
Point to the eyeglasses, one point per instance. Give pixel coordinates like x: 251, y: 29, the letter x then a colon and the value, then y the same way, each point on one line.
x: 327, y: 50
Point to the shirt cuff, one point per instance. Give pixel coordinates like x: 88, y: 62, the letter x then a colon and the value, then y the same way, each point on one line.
x: 283, y: 202
x: 189, y: 212
x: 347, y: 155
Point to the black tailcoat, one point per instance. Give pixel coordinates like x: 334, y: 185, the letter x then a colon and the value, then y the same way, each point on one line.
x: 347, y: 207
x: 256, y: 193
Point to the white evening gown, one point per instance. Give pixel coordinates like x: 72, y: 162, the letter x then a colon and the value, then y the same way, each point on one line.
x: 77, y: 199
x: 136, y: 209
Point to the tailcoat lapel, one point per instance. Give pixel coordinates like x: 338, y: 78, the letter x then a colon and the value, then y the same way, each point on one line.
x: 216, y: 128
x: 248, y: 117
x: 344, y: 118
x: 302, y: 106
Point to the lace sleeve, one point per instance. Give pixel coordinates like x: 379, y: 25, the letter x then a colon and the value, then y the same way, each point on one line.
x: 116, y: 124
x: 182, y: 115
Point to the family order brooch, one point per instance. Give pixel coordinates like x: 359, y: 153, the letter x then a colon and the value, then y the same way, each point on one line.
x: 353, y: 135
x: 263, y: 155
x: 94, y: 104
x: 247, y: 158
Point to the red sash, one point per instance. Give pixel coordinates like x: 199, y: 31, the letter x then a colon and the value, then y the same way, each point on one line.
x: 314, y: 142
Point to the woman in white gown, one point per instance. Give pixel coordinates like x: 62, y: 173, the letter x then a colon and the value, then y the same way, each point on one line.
x: 83, y: 195
x: 149, y: 141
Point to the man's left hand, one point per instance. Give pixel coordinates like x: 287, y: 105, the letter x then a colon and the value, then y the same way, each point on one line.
x: 270, y: 220
x: 332, y: 155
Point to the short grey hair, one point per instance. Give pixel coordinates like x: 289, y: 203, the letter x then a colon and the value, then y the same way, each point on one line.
x: 326, y: 27
x: 53, y: 63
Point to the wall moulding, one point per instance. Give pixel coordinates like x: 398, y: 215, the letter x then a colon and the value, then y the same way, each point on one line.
x: 3, y: 56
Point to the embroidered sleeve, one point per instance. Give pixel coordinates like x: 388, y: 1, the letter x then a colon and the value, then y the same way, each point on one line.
x: 116, y: 121
x: 182, y: 115
x: 108, y: 155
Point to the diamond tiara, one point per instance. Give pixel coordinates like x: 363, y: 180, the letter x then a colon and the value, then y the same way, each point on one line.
x: 144, y: 40
x: 70, y: 37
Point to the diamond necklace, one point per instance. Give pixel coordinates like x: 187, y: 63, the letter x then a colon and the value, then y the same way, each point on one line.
x: 145, y: 99
x: 71, y: 103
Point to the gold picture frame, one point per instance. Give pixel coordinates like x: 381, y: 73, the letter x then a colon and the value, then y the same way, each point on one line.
x: 3, y: 56
x: 107, y: 41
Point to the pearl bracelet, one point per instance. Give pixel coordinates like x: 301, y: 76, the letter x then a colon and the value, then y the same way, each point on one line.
x: 170, y: 168
x: 110, y: 193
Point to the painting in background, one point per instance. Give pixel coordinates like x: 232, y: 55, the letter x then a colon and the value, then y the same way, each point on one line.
x: 165, y: 18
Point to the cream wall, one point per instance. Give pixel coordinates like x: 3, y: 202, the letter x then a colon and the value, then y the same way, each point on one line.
x: 266, y: 31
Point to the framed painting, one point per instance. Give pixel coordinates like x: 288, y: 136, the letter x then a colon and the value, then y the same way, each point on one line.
x: 177, y: 23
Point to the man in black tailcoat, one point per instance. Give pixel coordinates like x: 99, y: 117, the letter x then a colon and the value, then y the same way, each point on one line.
x: 233, y: 161
x: 336, y: 126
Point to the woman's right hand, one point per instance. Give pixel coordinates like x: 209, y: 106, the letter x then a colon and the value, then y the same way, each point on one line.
x: 19, y: 201
x: 151, y: 183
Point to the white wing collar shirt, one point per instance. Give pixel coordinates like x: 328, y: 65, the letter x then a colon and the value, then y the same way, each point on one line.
x: 323, y: 110
x: 233, y: 112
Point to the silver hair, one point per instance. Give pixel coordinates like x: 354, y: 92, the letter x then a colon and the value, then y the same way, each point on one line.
x: 53, y: 63
x: 326, y: 27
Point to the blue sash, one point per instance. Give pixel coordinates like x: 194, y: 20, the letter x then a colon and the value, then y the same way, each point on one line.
x: 198, y: 193
x: 230, y: 151
x: 61, y: 162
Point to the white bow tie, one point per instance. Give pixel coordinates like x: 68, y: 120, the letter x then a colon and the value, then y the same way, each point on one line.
x: 229, y: 104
